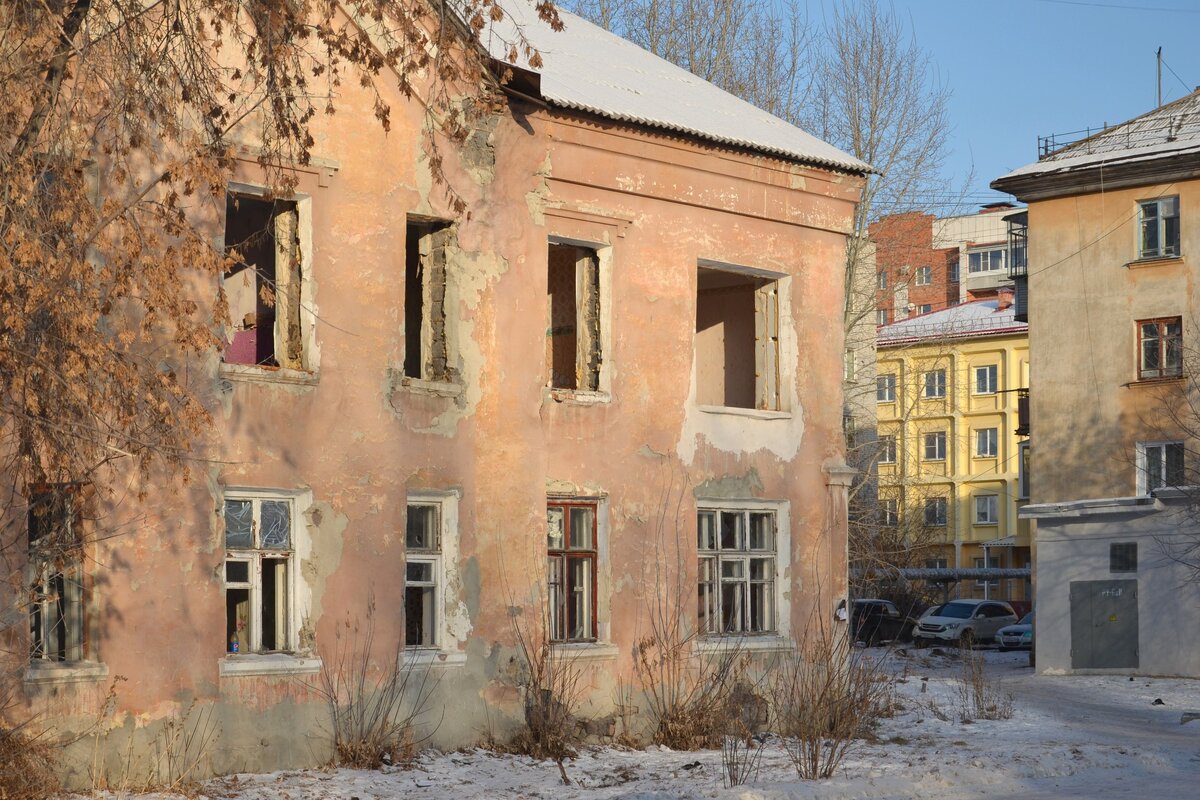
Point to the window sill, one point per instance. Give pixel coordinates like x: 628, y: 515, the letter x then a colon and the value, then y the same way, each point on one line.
x: 267, y: 664
x: 749, y: 643
x: 422, y: 386
x: 1154, y: 261
x: 252, y: 373
x: 428, y: 658
x: 752, y: 413
x: 1154, y: 381
x: 586, y: 651
x: 573, y: 397
x: 65, y: 672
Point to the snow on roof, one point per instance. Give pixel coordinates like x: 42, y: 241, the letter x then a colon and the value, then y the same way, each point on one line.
x: 1168, y: 130
x: 967, y: 320
x: 589, y: 69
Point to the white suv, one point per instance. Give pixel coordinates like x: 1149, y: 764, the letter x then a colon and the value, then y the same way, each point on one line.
x: 964, y: 621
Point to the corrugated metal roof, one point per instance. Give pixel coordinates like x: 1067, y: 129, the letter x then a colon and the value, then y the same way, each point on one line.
x: 967, y: 320
x: 1168, y: 130
x: 589, y: 69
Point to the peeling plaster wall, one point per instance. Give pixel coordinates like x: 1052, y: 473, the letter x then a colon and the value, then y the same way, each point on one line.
x: 354, y: 438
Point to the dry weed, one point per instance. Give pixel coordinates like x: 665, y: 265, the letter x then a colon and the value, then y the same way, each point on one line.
x: 980, y: 696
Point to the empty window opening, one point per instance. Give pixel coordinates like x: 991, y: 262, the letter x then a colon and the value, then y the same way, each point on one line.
x: 422, y: 570
x: 258, y: 574
x: 573, y: 318
x: 56, y: 613
x: 426, y: 346
x: 737, y: 340
x: 263, y: 286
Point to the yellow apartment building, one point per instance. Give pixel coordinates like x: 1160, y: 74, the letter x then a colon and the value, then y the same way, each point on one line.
x: 951, y: 462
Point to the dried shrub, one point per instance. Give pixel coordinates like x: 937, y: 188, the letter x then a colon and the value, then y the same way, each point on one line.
x: 826, y: 698
x: 741, y: 754
x: 27, y: 764
x: 374, y: 710
x: 980, y: 696
x: 553, y: 685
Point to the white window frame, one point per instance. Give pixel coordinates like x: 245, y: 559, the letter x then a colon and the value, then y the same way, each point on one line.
x: 936, y: 389
x: 298, y: 599
x: 987, y: 442
x: 1157, y: 453
x: 985, y: 260
x: 432, y: 557
x: 887, y: 448
x: 986, y: 508
x: 881, y: 316
x: 987, y: 379
x: 882, y: 282
x: 923, y: 276
x: 63, y: 620
x: 891, y: 512
x: 940, y: 508
x: 981, y: 564
x: 780, y: 555
x: 935, y: 442
x: 885, y: 388
x: 1165, y: 209
x: 451, y: 620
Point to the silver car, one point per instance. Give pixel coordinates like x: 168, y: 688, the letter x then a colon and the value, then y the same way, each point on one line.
x: 1016, y: 637
x: 965, y: 622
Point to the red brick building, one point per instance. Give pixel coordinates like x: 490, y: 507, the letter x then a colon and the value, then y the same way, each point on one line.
x: 912, y: 276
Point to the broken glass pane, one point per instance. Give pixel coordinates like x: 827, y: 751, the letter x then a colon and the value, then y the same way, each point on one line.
x: 239, y: 521
x: 421, y: 528
x: 276, y: 524
x: 554, y: 528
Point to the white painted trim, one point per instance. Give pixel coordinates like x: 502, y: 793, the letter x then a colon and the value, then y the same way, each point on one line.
x: 452, y: 623
x: 249, y: 664
x: 42, y: 671
x: 754, y: 643
x: 586, y: 651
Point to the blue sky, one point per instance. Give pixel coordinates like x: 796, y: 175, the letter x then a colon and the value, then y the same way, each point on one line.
x: 1019, y: 69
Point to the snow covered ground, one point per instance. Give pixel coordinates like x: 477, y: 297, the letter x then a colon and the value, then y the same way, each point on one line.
x: 1080, y: 737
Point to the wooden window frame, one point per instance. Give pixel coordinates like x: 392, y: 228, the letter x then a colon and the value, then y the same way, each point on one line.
x: 939, y: 506
x: 59, y: 586
x: 939, y: 385
x: 987, y: 442
x: 562, y: 557
x: 1161, y: 224
x: 939, y: 439
x: 254, y: 556
x: 426, y: 556
x: 885, y: 388
x: 1163, y: 339
x: 992, y: 371
x: 714, y: 555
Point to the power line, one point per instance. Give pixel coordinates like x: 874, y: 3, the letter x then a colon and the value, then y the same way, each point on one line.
x: 1186, y: 88
x: 1122, y: 7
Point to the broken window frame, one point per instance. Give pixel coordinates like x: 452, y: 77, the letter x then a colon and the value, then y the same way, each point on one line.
x: 428, y: 558
x: 716, y: 551
x: 429, y: 349
x: 590, y: 321
x: 769, y: 292
x: 57, y: 581
x: 294, y: 346
x: 254, y: 555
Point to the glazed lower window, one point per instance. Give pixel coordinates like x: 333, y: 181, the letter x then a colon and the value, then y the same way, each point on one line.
x: 56, y: 610
x: 736, y: 570
x: 422, y: 571
x: 259, y: 574
x: 571, y: 577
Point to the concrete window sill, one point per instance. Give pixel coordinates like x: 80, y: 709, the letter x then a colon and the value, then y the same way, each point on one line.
x: 65, y: 672
x: 750, y: 413
x: 268, y: 664
x: 428, y: 658
x: 587, y: 651
x: 572, y: 397
x: 420, y: 386
x: 1155, y: 261
x: 250, y: 373
x: 764, y: 643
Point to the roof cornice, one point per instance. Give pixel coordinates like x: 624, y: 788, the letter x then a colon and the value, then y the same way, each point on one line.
x: 1100, y: 177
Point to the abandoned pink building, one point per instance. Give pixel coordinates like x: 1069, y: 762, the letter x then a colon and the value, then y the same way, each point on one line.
x: 611, y: 387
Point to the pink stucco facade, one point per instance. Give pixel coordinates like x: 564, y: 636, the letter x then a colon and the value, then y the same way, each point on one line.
x: 346, y: 442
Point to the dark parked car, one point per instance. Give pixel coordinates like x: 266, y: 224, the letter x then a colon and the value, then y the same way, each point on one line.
x: 875, y: 621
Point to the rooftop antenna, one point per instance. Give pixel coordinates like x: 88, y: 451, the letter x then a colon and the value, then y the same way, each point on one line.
x: 1159, y: 58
